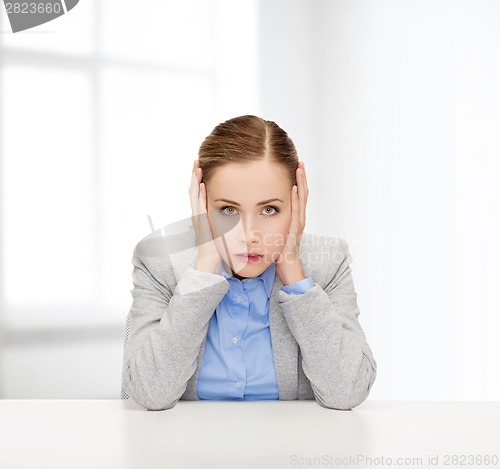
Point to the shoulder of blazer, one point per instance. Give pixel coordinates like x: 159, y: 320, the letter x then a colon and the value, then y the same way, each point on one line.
x: 165, y: 253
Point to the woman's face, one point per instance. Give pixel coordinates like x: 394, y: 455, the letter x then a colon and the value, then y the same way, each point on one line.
x: 236, y: 213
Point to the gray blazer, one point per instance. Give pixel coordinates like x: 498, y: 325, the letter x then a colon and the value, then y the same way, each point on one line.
x: 319, y: 348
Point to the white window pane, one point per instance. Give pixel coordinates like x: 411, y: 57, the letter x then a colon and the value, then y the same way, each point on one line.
x: 152, y: 126
x: 167, y: 31
x: 48, y: 229
x: 72, y: 33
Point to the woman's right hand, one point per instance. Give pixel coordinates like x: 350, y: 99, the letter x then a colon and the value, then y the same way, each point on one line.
x: 208, y: 258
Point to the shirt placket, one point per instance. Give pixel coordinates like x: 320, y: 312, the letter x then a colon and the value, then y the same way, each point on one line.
x: 232, y: 341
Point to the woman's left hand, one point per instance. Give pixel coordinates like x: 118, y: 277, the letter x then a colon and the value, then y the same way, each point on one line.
x: 288, y: 266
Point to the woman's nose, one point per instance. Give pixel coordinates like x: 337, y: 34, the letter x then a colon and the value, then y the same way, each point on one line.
x: 249, y: 231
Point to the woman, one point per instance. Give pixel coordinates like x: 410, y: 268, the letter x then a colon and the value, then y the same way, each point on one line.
x: 245, y: 305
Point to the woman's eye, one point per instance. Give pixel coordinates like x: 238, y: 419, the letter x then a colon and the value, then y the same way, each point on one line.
x: 227, y: 208
x: 274, y: 210
x: 269, y: 210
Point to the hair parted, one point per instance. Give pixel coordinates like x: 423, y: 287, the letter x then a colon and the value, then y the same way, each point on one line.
x: 244, y: 139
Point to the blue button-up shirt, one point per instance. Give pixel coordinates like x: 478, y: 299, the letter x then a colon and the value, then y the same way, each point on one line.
x: 238, y: 359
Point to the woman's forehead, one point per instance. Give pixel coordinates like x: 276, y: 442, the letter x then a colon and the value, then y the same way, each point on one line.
x: 249, y: 191
x: 258, y: 175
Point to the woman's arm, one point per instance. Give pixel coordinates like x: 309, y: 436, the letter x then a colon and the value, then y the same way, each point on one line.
x: 336, y: 357
x: 166, y: 331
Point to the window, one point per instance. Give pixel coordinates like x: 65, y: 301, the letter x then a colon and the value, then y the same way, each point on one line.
x: 102, y: 111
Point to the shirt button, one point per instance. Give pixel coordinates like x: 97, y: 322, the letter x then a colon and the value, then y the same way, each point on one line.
x: 240, y: 298
x: 234, y: 340
x: 237, y: 385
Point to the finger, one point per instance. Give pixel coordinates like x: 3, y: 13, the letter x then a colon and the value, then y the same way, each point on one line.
x: 303, y: 171
x: 194, y: 193
x: 303, y: 179
x: 202, y: 202
x: 192, y: 189
x: 201, y: 218
x: 294, y: 226
x: 302, y: 195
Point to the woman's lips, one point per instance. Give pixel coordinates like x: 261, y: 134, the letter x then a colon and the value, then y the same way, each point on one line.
x: 247, y: 258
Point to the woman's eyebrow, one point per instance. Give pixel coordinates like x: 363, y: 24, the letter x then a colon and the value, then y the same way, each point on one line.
x: 264, y: 202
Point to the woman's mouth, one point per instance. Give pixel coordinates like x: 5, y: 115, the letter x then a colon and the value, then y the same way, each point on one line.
x: 250, y: 257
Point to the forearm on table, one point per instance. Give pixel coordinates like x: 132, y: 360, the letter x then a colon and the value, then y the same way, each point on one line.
x: 335, y: 355
x: 160, y: 356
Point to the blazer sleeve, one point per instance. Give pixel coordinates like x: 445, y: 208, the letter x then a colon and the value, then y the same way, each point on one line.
x: 336, y: 357
x: 167, y: 327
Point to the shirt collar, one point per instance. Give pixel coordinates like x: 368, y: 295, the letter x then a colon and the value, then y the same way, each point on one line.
x: 267, y: 276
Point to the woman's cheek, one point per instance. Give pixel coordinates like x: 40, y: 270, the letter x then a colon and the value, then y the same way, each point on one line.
x: 222, y: 225
x: 275, y: 243
x: 219, y: 245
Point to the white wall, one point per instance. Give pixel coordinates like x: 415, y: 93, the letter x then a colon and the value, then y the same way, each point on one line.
x: 395, y: 108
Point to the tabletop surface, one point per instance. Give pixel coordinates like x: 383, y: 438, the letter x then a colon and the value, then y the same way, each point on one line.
x: 247, y: 434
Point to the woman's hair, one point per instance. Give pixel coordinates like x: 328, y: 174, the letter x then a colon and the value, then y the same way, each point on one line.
x: 245, y: 139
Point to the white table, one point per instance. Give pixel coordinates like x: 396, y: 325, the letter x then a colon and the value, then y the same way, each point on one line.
x: 108, y: 434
